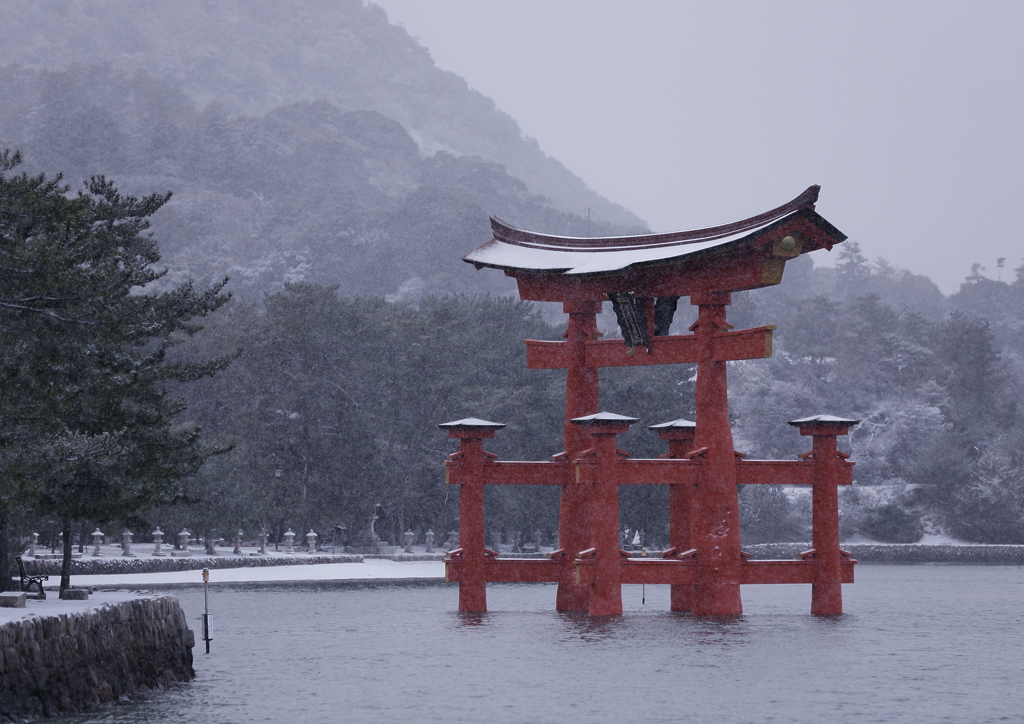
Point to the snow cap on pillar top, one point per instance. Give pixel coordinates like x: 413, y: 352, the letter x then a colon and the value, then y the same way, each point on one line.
x: 679, y: 424
x: 471, y: 423
x: 824, y: 420
x: 675, y: 430
x: 471, y: 428
x: 823, y: 424
x: 604, y: 418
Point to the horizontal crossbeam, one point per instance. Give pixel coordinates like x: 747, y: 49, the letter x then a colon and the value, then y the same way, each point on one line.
x: 753, y: 343
x: 647, y: 471
x: 644, y: 471
x: 760, y: 572
x: 511, y: 570
x: 514, y: 473
x: 667, y: 280
x: 659, y: 571
x: 785, y: 472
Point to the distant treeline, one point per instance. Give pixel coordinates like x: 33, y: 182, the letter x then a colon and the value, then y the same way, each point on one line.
x: 334, y: 400
x: 936, y: 382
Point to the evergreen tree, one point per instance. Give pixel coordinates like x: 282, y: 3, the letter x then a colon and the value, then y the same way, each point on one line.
x: 88, y: 428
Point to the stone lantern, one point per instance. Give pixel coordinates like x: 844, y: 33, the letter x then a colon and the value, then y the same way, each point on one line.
x: 289, y: 541
x: 126, y: 544
x: 184, y: 537
x: 408, y: 535
x: 429, y: 535
x: 311, y: 541
x: 97, y: 538
x: 452, y: 541
x: 158, y: 540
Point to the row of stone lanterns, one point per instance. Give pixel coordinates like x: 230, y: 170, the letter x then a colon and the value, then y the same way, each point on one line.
x: 289, y: 541
x: 311, y: 537
x: 409, y: 537
x: 185, y: 539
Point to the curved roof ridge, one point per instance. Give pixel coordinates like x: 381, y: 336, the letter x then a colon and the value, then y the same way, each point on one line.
x: 519, y: 237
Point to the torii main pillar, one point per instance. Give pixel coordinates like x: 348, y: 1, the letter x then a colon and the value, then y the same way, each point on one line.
x: 716, y: 522
x: 582, y: 393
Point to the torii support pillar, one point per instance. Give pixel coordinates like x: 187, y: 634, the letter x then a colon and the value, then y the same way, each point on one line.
x: 827, y: 589
x: 680, y: 437
x: 471, y: 434
x: 606, y: 591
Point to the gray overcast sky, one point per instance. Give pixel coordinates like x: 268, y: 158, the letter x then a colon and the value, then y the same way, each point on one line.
x: 909, y: 114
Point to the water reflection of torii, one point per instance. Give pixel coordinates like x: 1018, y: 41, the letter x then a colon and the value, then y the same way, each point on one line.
x: 644, y: 276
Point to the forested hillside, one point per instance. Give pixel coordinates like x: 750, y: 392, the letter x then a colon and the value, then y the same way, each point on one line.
x: 936, y: 382
x: 250, y: 57
x: 304, y: 193
x: 318, y: 159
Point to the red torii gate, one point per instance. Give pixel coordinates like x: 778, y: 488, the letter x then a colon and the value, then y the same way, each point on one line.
x: 644, y: 276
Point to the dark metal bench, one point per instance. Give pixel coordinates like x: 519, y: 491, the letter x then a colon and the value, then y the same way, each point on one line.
x: 27, y: 582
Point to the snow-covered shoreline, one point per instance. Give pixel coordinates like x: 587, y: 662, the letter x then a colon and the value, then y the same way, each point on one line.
x: 111, y: 560
x: 368, y: 569
x: 144, y: 564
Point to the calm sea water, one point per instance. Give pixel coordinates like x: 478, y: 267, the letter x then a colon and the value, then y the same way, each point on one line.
x: 918, y: 644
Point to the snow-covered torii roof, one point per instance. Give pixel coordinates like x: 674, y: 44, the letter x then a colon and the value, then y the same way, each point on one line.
x: 795, y: 225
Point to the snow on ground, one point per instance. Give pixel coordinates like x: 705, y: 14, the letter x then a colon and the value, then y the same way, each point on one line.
x: 53, y: 606
x: 928, y: 539
x: 941, y: 539
x: 369, y: 569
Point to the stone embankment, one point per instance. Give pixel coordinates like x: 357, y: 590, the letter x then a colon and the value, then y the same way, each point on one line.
x: 905, y: 553
x: 67, y: 663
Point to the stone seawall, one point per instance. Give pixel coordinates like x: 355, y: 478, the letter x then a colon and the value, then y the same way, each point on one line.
x: 69, y: 662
